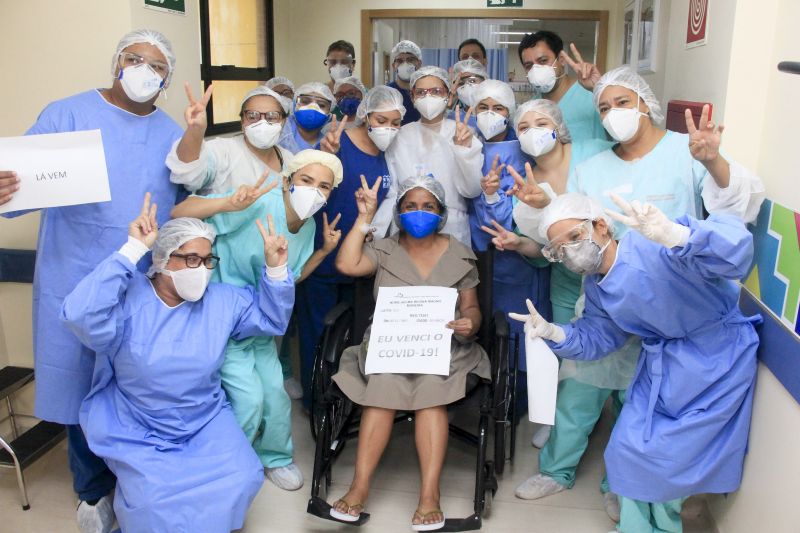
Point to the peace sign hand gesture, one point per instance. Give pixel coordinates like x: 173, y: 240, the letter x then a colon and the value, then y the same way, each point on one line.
x: 367, y: 197
x: 145, y: 228
x: 276, y: 247
x: 537, y: 327
x: 246, y: 195
x: 195, y: 113
x: 331, y: 142
x: 650, y: 221
x: 704, y: 141
x: 502, y: 238
x: 527, y: 191
x: 588, y: 73
x: 490, y: 183
x: 330, y: 235
x: 463, y: 135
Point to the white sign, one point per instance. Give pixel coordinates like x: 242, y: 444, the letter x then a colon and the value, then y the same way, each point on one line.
x: 56, y: 169
x: 542, y: 381
x: 408, y: 334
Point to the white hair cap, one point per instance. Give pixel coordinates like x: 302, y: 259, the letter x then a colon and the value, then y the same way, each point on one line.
x: 470, y: 66
x: 570, y: 205
x: 430, y: 70
x: 263, y: 90
x: 157, y: 39
x: 547, y: 108
x: 279, y: 80
x: 380, y: 98
x: 174, y: 234
x: 310, y: 157
x: 405, y: 47
x: 315, y: 87
x: 496, y: 90
x: 625, y: 76
x: 350, y: 80
x: 421, y: 181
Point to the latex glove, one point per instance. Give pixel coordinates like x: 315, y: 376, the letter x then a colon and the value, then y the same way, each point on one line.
x: 536, y: 326
x: 648, y: 220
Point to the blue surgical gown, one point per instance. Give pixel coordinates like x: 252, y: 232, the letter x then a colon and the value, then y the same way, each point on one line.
x: 685, y: 423
x: 156, y: 413
x: 74, y: 239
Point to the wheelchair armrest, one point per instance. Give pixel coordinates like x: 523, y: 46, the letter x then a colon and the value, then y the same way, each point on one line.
x: 333, y: 315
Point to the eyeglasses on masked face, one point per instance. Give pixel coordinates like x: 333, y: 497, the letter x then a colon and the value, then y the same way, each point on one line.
x: 305, y: 99
x: 194, y: 260
x: 129, y: 59
x: 251, y: 115
x: 554, y: 251
x: 441, y: 92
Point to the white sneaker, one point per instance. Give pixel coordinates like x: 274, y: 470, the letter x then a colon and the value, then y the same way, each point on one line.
x: 287, y: 477
x: 538, y: 486
x: 541, y: 436
x: 97, y: 518
x: 611, y: 504
x: 293, y: 388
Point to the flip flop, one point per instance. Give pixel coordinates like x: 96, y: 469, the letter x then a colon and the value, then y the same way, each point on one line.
x: 427, y: 527
x: 346, y: 517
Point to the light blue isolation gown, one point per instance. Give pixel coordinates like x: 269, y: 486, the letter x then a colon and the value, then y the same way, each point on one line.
x: 580, y: 114
x: 684, y: 427
x: 291, y: 139
x: 74, y: 239
x: 156, y: 412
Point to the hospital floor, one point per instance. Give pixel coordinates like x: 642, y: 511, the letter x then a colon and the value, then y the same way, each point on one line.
x: 391, y: 503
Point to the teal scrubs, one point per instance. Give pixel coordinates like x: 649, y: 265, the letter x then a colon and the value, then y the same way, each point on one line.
x: 581, y: 115
x: 251, y: 374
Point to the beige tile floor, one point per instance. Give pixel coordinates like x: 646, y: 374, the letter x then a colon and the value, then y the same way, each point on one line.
x: 392, y: 501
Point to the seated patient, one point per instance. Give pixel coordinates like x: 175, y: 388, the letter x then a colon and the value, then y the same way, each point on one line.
x: 415, y: 256
x: 156, y: 413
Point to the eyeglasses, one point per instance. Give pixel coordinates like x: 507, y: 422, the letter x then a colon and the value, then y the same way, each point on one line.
x: 554, y: 251
x: 435, y: 91
x: 194, y: 260
x: 128, y: 59
x: 288, y: 93
x: 251, y: 115
x: 304, y: 100
x: 471, y: 80
x: 349, y: 94
x: 348, y: 62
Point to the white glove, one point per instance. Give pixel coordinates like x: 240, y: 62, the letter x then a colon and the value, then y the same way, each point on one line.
x: 536, y: 326
x: 648, y: 220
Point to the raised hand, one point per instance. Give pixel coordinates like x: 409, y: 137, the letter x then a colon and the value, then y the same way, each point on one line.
x: 648, y: 220
x: 145, y: 228
x: 461, y: 326
x: 502, y: 238
x: 367, y: 197
x: 490, y: 183
x: 330, y: 235
x: 195, y: 113
x: 9, y: 184
x: 276, y: 247
x: 246, y: 195
x: 463, y: 135
x: 527, y: 190
x: 538, y: 327
x: 588, y: 73
x: 703, y: 141
x: 332, y: 140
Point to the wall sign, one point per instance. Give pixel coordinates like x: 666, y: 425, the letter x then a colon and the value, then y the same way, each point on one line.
x: 170, y: 6
x: 503, y: 3
x: 697, y: 25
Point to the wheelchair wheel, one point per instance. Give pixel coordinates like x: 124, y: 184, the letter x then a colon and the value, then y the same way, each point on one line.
x: 335, y: 339
x: 489, y: 490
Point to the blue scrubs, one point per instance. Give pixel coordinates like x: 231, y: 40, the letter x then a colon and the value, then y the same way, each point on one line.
x: 412, y: 115
x: 74, y: 239
x: 326, y: 287
x: 684, y: 427
x: 580, y: 114
x: 156, y: 413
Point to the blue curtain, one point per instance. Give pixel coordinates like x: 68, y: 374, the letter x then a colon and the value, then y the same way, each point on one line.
x: 447, y: 57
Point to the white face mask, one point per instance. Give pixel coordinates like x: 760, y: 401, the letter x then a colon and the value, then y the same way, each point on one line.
x: 382, y: 137
x: 340, y: 71
x: 543, y: 77
x: 262, y: 134
x: 430, y: 107
x: 465, y: 93
x: 140, y: 82
x: 190, y: 283
x: 538, y: 141
x: 622, y: 123
x: 491, y: 124
x: 306, y: 200
x: 405, y: 70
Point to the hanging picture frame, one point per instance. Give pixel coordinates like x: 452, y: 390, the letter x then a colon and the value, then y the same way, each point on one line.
x: 697, y: 23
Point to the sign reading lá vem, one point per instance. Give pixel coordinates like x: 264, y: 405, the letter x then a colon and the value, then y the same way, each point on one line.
x: 170, y: 6
x: 503, y: 3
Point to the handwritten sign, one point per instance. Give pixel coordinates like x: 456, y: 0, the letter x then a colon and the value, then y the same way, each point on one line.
x: 408, y: 331
x: 56, y: 169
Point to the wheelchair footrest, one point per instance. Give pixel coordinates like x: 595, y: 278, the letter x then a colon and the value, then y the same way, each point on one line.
x: 34, y: 443
x: 470, y: 523
x: 322, y: 509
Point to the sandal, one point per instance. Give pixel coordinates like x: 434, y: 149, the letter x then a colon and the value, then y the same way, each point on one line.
x: 346, y: 516
x: 427, y: 527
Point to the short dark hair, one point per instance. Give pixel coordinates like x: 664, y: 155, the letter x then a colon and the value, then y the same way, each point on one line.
x: 471, y: 41
x: 553, y: 41
x: 343, y: 46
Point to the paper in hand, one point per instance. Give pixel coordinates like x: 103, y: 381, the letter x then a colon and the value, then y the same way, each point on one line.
x: 542, y: 381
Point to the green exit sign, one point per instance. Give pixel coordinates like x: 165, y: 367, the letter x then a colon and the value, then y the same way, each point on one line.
x: 503, y: 3
x: 171, y: 6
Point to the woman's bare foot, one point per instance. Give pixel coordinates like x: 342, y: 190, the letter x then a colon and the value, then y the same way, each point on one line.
x: 428, y: 512
x: 351, y: 503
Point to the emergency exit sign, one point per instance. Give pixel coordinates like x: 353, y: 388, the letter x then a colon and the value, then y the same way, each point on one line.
x: 171, y: 6
x: 503, y: 3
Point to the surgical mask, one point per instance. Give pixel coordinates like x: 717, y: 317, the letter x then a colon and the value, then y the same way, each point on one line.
x: 339, y: 72
x: 538, y: 141
x: 430, y: 107
x: 543, y: 77
x: 622, y: 123
x: 140, y: 82
x: 465, y: 93
x: 349, y: 106
x: 584, y: 257
x: 190, y: 283
x: 405, y: 70
x: 310, y: 117
x: 491, y: 124
x: 306, y: 200
x: 420, y: 224
x: 382, y: 137
x: 262, y: 134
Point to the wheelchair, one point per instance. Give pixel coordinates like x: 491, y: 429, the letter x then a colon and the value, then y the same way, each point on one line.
x: 335, y: 419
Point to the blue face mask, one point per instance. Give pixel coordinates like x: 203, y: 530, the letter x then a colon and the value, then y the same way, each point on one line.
x: 349, y: 106
x: 310, y: 118
x: 420, y: 224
